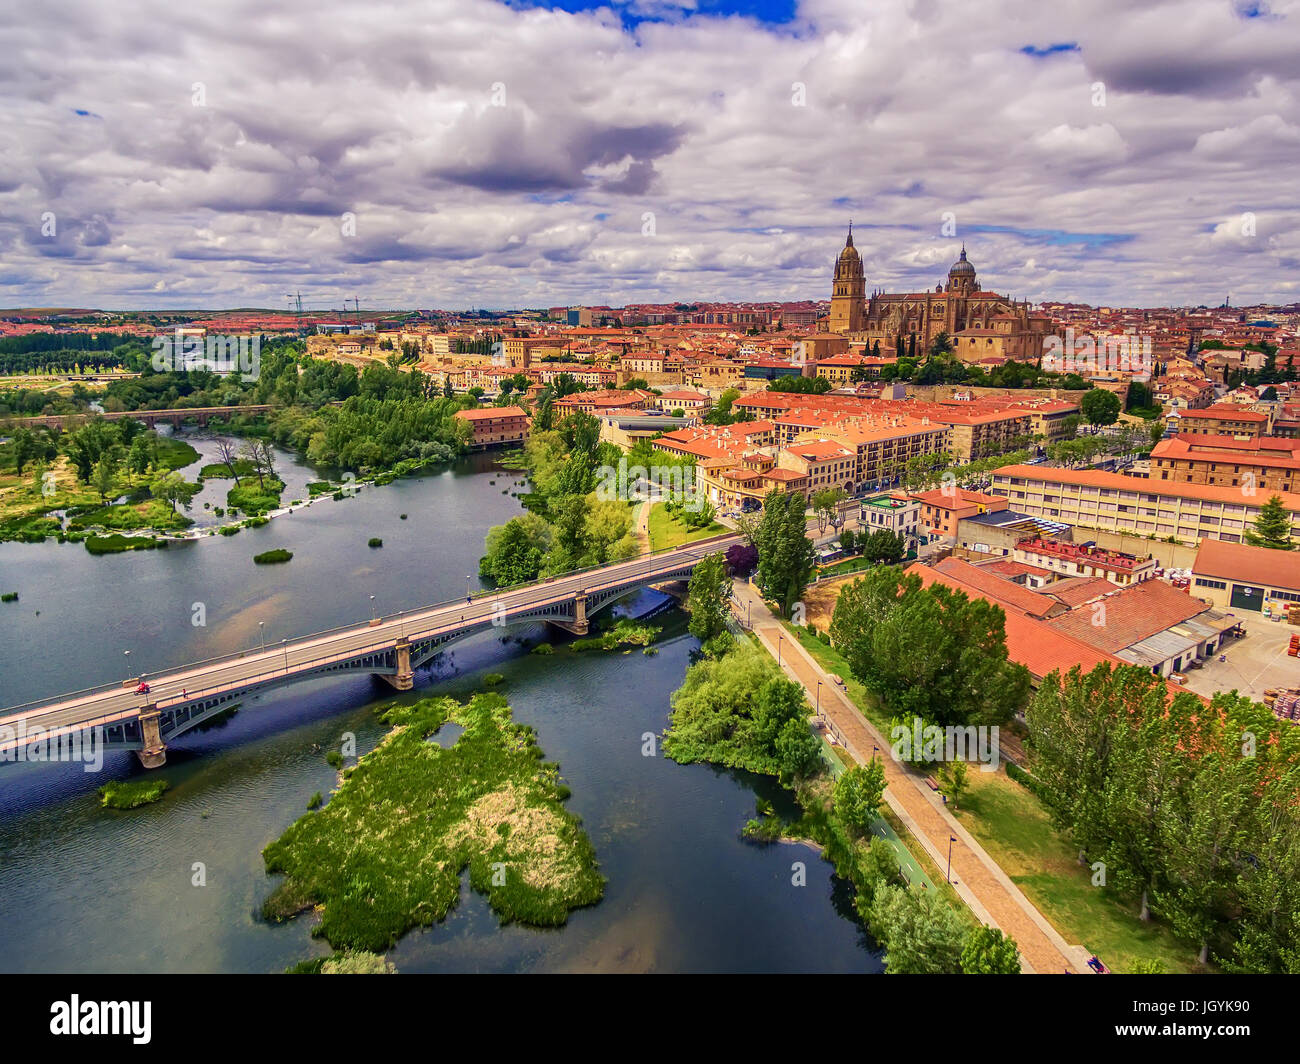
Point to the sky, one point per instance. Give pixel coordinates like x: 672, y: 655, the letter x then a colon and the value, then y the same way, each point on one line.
x: 475, y: 153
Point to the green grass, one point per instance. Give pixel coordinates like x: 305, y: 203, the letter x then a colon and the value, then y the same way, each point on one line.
x: 625, y: 633
x: 1014, y: 827
x: 116, y: 544
x: 272, y: 557
x: 385, y: 855
x: 666, y: 531
x: 221, y: 471
x: 130, y: 794
x: 173, y: 453
x: 130, y: 517
x: 254, y: 498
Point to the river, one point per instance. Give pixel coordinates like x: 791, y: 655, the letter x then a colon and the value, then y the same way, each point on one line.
x: 93, y: 890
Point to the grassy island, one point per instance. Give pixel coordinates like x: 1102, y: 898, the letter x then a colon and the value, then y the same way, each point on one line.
x: 385, y: 854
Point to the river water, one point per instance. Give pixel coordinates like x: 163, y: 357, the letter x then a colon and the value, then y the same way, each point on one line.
x: 177, y: 886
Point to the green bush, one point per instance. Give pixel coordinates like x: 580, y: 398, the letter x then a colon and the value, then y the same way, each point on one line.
x: 229, y: 530
x: 492, y: 679
x: 131, y: 793
x: 543, y: 648
x: 9, y: 596
x: 115, y: 544
x: 335, y: 759
x: 314, y: 802
x: 272, y: 557
x: 375, y: 541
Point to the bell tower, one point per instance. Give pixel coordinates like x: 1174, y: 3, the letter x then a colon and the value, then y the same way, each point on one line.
x: 848, y: 290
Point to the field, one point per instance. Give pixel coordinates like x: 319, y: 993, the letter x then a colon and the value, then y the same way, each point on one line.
x: 666, y: 531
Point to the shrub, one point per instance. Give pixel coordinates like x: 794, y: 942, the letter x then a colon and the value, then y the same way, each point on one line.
x: 335, y: 759
x: 402, y: 516
x: 229, y: 530
x: 9, y: 596
x: 492, y: 679
x: 543, y: 648
x: 375, y: 541
x: 271, y: 557
x: 314, y: 802
x: 132, y: 793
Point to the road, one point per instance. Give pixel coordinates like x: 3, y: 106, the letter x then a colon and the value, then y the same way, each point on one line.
x: 189, y: 683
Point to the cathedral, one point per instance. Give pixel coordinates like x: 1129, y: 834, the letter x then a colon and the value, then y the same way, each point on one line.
x: 983, y: 326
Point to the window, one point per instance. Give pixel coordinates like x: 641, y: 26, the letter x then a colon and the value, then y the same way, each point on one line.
x: 1202, y: 582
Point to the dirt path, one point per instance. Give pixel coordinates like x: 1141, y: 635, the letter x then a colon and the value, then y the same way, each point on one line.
x: 976, y: 877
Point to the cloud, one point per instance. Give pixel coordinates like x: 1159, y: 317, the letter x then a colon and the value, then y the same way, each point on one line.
x: 514, y: 151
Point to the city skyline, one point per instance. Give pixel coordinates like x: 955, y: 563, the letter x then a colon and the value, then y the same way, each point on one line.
x: 428, y: 155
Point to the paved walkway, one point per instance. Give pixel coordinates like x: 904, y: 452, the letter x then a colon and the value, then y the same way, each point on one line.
x: 976, y: 877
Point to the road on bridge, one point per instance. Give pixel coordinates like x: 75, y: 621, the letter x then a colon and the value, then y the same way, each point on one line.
x: 191, y: 683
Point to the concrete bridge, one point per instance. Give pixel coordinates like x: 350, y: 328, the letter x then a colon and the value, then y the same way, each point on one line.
x: 388, y: 647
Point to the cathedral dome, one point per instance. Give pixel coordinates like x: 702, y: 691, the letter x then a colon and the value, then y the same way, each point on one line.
x: 961, y: 268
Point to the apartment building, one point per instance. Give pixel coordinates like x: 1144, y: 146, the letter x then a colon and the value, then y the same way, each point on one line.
x: 1224, y: 419
x: 1087, y: 498
x: 495, y: 426
x: 941, y: 509
x: 1265, y: 463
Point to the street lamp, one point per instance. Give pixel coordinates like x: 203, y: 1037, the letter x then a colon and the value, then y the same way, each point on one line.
x: 261, y: 632
x: 401, y: 624
x: 468, y: 593
x: 128, y: 663
x: 372, y: 607
x: 778, y: 650
x: 819, y: 698
x: 951, y: 840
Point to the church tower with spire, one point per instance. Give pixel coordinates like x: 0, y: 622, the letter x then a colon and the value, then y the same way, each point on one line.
x: 848, y: 291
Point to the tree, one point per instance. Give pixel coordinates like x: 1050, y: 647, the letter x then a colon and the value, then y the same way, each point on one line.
x: 104, y: 478
x: 23, y: 448
x: 516, y: 550
x: 741, y: 559
x: 1272, y: 526
x: 929, y: 652
x: 798, y: 751
x: 857, y: 795
x: 988, y: 951
x: 173, y: 488
x: 709, y: 598
x: 1100, y: 406
x: 920, y: 932
x: 953, y: 777
x: 826, y: 503
x: 883, y: 546
x: 847, y: 539
x: 137, y: 458
x: 258, y: 454
x: 785, y: 553
x: 227, y: 453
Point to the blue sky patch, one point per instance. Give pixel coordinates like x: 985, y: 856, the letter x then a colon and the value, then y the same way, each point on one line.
x: 1051, y: 49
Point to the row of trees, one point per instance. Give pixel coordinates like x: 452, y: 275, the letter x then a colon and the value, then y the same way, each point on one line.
x: 1190, y: 810
x: 568, y: 526
x: 930, y: 652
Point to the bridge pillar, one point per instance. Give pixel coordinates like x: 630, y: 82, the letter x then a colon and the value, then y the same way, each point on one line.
x: 578, y: 626
x: 404, y: 678
x: 154, y: 753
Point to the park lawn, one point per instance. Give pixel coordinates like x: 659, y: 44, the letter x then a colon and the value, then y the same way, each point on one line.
x: 1014, y: 827
x: 666, y: 531
x: 833, y: 661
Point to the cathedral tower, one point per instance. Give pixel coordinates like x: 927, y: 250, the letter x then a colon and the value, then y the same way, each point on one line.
x: 849, y: 290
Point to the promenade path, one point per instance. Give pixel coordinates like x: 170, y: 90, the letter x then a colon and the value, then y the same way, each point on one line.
x: 976, y: 877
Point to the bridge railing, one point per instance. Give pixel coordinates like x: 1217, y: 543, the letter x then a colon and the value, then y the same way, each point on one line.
x: 407, y: 616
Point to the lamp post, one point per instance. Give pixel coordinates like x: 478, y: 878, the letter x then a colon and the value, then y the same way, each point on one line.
x: 401, y: 624
x: 778, y: 650
x: 127, y: 653
x: 951, y: 840
x: 819, y: 698
x: 468, y: 592
x: 261, y: 632
x: 372, y: 607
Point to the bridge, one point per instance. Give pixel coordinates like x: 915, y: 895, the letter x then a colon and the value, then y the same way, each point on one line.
x: 117, y: 718
x: 176, y: 417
